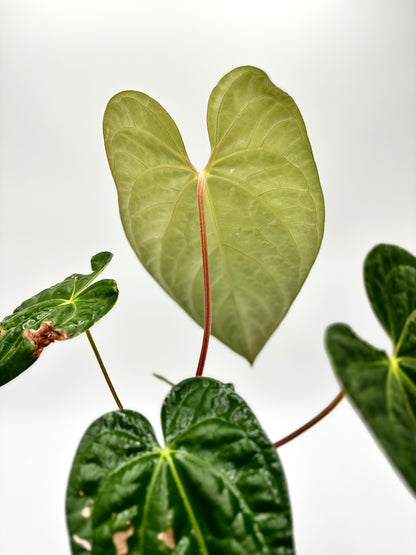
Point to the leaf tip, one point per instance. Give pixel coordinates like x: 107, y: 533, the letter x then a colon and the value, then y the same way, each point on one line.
x: 100, y: 260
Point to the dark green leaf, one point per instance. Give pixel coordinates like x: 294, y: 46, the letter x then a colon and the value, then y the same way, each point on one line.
x: 383, y: 387
x: 57, y: 313
x: 385, y: 267
x: 264, y: 205
x: 216, y: 487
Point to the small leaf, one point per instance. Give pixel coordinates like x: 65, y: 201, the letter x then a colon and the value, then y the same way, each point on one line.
x: 383, y: 387
x: 263, y: 203
x: 57, y: 313
x: 216, y: 487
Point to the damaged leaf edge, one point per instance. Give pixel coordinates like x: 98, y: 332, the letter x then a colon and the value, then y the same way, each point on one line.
x: 44, y: 336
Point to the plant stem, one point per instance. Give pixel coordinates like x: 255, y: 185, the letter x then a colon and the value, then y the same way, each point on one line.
x: 312, y: 422
x: 207, y: 289
x: 104, y: 371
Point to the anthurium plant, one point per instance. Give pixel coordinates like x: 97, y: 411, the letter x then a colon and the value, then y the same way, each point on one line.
x: 232, y: 244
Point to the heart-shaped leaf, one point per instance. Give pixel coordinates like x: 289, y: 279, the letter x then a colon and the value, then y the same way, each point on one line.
x: 57, y: 313
x: 216, y: 487
x: 263, y: 203
x: 383, y: 387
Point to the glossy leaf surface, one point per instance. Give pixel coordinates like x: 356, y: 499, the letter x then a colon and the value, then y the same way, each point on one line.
x: 263, y: 203
x: 216, y: 487
x: 383, y: 387
x: 57, y: 313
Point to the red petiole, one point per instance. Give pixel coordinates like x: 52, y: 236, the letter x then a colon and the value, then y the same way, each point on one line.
x: 207, y: 290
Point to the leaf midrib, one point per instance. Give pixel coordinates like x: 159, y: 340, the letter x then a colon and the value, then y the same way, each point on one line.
x: 400, y: 376
x: 187, y: 504
x: 226, y: 268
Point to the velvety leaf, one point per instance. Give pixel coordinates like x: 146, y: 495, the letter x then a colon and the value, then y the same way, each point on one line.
x: 263, y: 203
x: 216, y: 487
x: 57, y: 313
x: 383, y: 387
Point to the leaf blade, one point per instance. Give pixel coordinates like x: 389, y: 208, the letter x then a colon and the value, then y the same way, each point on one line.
x: 114, y: 438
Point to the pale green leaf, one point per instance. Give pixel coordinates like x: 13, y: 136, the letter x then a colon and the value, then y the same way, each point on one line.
x: 263, y: 203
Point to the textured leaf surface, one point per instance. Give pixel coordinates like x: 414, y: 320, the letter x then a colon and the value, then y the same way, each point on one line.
x: 57, y: 313
x: 383, y: 387
x: 263, y: 203
x: 216, y: 487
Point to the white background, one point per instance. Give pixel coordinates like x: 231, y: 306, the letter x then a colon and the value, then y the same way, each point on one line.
x: 351, y: 67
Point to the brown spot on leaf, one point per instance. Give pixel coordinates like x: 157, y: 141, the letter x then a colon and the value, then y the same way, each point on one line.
x: 120, y: 540
x: 85, y: 544
x: 168, y: 538
x: 86, y: 512
x: 81, y: 493
x: 45, y: 335
x: 2, y: 330
x: 107, y: 133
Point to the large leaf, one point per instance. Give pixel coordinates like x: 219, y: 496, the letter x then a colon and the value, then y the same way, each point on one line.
x: 57, y: 313
x: 383, y: 387
x: 264, y: 205
x: 216, y: 487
